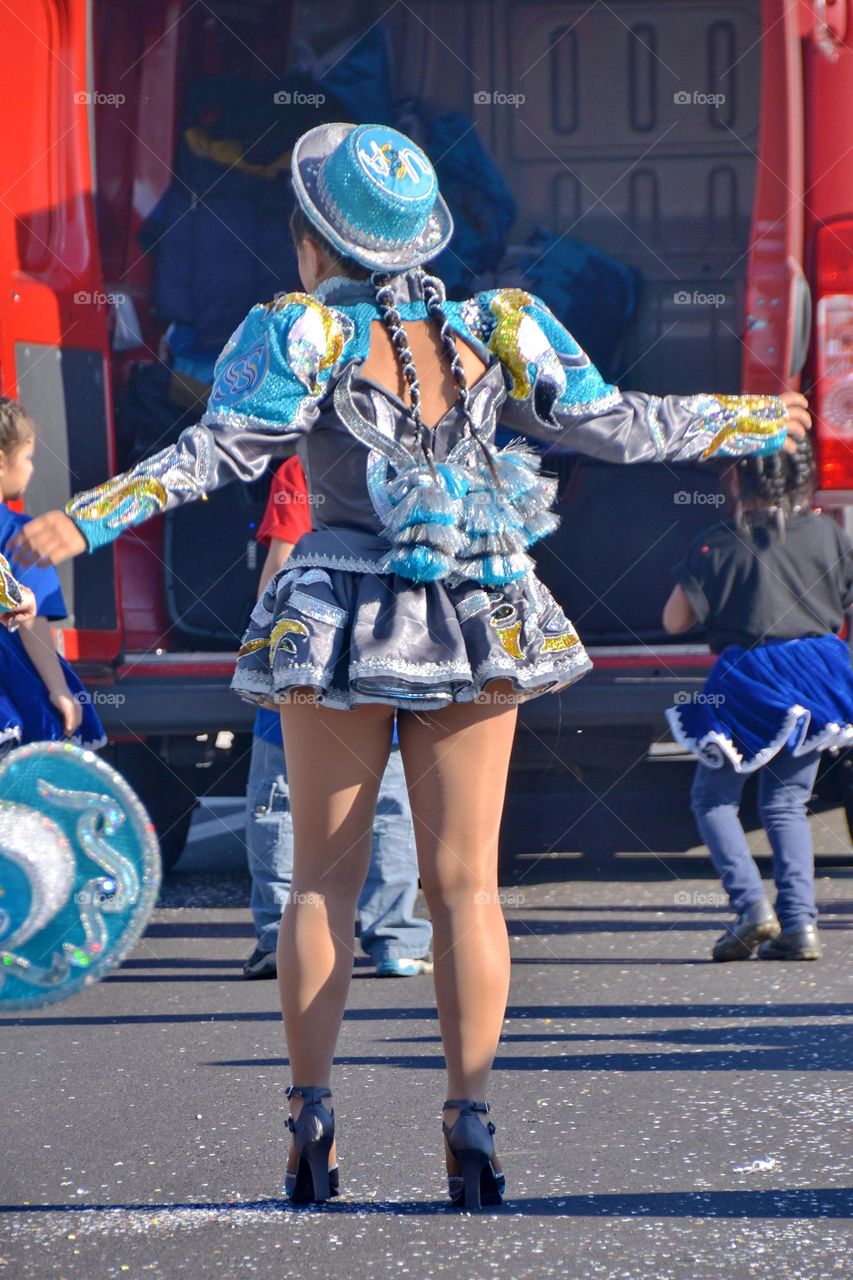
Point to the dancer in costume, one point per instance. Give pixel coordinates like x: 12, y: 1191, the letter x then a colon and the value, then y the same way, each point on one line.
x: 396, y: 939
x: 413, y: 590
x: 771, y: 588
x: 41, y: 698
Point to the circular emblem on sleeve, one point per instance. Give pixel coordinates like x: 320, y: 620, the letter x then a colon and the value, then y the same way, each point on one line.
x: 241, y: 376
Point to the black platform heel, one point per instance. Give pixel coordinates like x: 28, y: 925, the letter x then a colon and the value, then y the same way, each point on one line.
x: 472, y: 1143
x: 313, y: 1135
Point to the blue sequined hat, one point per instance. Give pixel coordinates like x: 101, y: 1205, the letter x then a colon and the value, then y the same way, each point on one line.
x: 373, y: 194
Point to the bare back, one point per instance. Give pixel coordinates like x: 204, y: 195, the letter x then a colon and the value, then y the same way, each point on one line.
x: 438, y: 389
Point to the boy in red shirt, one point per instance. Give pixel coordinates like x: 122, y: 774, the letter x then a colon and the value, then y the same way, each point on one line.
x: 395, y: 938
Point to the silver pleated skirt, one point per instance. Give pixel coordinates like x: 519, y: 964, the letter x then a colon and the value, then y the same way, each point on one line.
x: 331, y: 621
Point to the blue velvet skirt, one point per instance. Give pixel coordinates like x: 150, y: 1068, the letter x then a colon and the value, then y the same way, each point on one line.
x: 26, y: 712
x: 789, y: 695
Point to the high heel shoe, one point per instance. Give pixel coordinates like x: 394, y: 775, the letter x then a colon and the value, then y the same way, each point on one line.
x: 313, y: 1135
x: 472, y: 1143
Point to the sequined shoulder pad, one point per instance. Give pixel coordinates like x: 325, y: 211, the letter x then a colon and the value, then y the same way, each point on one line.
x: 295, y: 331
x: 533, y: 346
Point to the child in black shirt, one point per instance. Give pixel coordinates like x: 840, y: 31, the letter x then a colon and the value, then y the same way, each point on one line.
x: 770, y: 588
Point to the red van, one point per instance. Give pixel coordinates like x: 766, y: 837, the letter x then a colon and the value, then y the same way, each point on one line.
x: 705, y: 145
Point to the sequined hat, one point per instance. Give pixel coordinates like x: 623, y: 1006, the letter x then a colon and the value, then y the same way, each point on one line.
x: 373, y: 194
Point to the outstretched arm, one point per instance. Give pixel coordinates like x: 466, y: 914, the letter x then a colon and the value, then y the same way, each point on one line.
x: 267, y: 384
x: 557, y: 396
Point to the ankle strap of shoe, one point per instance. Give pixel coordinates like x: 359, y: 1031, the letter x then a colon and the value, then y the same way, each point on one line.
x: 310, y: 1092
x: 465, y: 1104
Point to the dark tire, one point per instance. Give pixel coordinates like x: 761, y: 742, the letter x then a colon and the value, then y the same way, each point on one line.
x: 162, y: 789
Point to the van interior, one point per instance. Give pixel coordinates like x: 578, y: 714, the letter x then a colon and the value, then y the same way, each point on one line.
x: 603, y: 156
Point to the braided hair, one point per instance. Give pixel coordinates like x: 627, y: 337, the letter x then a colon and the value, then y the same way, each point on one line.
x: 393, y: 322
x: 433, y: 292
x: 775, y: 487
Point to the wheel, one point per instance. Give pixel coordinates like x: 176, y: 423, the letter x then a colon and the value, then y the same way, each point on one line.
x: 162, y: 789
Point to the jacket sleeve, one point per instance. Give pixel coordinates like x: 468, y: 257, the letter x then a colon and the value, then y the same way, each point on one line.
x: 10, y: 588
x: 268, y: 382
x: 557, y: 396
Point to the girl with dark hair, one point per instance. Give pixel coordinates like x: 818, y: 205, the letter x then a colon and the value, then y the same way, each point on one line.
x: 41, y: 697
x: 770, y: 587
x: 413, y: 594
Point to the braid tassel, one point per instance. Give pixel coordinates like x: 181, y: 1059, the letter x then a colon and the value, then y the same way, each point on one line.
x: 529, y: 494
x: 423, y: 525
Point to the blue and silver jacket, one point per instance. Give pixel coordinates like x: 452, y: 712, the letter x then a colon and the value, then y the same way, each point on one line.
x: 288, y: 379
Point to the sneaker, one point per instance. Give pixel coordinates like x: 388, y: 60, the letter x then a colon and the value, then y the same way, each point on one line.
x: 757, y: 923
x: 260, y: 964
x: 801, y: 943
x: 402, y: 967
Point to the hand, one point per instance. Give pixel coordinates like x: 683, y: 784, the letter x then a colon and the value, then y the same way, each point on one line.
x: 799, y: 418
x: 48, y: 539
x: 24, y: 613
x: 70, y: 708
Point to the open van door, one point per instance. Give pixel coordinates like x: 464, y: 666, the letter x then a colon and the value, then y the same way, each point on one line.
x: 778, y: 300
x: 53, y: 308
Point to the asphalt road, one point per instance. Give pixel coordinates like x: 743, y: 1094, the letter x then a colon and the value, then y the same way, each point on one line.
x: 658, y: 1115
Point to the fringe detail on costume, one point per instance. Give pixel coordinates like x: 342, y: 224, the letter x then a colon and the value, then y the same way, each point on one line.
x: 423, y: 525
x: 461, y: 519
x: 529, y: 494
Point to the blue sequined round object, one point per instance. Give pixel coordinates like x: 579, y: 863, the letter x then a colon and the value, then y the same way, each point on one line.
x: 79, y: 872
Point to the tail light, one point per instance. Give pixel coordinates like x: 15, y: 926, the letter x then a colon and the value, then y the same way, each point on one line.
x: 833, y: 398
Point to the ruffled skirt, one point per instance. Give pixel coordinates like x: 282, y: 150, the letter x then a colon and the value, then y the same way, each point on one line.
x: 355, y: 635
x: 791, y: 695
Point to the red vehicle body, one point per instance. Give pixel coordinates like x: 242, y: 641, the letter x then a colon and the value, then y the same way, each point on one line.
x: 751, y: 202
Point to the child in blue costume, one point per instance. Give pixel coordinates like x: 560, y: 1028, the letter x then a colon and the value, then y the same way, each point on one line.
x: 413, y: 594
x: 40, y: 696
x: 771, y: 588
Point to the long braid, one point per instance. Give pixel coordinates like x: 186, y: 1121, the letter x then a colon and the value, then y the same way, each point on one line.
x: 393, y: 322
x: 433, y: 291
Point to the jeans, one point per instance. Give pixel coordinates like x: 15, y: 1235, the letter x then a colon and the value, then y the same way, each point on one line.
x: 784, y: 786
x: 389, y: 928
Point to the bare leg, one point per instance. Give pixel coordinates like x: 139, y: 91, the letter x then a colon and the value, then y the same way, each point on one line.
x: 335, y: 763
x: 456, y: 763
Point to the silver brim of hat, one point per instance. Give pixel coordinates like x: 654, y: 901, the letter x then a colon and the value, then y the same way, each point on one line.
x: 308, y: 154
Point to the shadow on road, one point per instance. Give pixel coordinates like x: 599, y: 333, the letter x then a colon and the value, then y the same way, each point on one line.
x: 804, y: 1202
